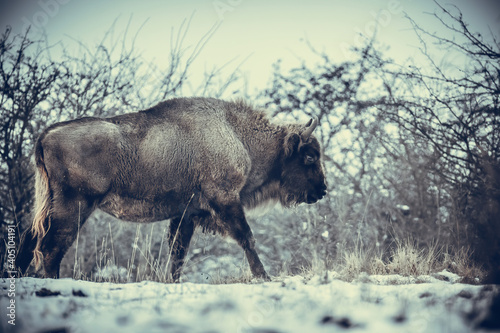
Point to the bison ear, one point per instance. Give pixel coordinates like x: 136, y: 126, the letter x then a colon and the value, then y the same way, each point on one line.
x: 292, y: 142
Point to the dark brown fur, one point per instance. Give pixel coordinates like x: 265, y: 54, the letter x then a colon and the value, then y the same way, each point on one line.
x: 203, y: 159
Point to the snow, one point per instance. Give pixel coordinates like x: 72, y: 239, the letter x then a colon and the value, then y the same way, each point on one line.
x: 320, y: 303
x: 403, y: 208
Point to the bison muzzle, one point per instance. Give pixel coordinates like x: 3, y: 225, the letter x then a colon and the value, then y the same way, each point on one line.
x: 196, y: 161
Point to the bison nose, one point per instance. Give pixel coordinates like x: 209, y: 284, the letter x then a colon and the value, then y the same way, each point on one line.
x: 312, y: 198
x: 323, y: 190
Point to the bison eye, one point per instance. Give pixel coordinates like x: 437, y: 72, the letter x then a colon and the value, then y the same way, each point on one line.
x: 310, y: 159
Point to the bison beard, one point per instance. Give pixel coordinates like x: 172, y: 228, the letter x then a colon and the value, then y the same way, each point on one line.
x: 196, y: 161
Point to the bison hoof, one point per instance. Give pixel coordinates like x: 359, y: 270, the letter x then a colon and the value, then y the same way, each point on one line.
x: 263, y: 277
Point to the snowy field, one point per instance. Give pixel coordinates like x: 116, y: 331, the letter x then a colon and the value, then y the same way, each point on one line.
x: 290, y: 304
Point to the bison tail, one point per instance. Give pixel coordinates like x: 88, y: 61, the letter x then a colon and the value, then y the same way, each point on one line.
x: 43, y: 204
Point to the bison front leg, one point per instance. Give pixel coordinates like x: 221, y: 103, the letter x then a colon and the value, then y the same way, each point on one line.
x: 180, y: 234
x: 233, y: 218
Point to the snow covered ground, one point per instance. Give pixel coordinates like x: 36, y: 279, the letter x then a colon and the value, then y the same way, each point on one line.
x: 290, y: 304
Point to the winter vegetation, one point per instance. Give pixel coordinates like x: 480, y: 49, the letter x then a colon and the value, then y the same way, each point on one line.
x: 409, y: 232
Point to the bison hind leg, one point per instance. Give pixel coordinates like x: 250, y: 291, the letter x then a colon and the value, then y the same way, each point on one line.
x: 25, y: 254
x: 67, y: 219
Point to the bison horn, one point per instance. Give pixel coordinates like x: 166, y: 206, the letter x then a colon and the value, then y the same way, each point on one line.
x: 310, y: 126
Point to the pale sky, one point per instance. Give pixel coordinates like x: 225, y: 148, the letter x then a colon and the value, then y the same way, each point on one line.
x: 259, y: 31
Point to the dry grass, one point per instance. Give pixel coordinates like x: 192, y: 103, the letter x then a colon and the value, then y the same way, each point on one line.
x: 244, y: 276
x: 405, y: 258
x: 141, y: 265
x: 460, y: 262
x: 360, y: 260
x: 408, y: 260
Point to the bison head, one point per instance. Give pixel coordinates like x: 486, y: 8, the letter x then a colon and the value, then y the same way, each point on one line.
x: 302, y: 178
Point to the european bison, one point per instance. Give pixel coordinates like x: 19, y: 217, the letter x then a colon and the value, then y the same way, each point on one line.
x: 196, y: 161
